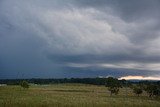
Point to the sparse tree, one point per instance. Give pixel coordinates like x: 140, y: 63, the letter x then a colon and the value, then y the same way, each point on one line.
x: 113, y: 85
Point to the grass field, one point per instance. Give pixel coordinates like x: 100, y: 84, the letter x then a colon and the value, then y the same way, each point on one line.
x: 71, y: 95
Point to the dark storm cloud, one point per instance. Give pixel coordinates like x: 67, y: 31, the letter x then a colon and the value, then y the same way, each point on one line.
x: 94, y: 71
x: 91, y: 37
x: 103, y: 58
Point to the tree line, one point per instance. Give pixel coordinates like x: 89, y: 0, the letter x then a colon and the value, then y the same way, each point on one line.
x: 94, y: 81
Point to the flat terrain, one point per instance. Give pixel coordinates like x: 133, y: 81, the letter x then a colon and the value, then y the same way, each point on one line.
x: 71, y: 95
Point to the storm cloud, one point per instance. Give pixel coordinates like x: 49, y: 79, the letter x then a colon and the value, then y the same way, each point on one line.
x: 79, y: 38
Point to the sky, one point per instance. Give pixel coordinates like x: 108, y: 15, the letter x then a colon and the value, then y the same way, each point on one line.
x: 79, y: 38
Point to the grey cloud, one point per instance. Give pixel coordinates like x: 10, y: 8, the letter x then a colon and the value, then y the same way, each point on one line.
x: 128, y: 9
x: 144, y: 14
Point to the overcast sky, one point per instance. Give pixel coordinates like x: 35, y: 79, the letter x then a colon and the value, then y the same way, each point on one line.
x: 79, y: 38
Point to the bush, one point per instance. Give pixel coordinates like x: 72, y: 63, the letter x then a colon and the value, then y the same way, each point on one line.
x: 24, y: 84
x: 113, y: 90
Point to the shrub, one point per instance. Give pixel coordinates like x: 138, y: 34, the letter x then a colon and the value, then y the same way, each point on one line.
x: 24, y: 84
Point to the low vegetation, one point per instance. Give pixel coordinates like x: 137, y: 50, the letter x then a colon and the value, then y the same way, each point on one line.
x: 113, y: 93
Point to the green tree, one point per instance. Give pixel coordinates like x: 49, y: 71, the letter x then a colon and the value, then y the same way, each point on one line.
x: 24, y: 84
x: 113, y: 85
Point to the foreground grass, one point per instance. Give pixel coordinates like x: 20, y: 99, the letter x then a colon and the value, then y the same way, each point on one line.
x: 71, y: 95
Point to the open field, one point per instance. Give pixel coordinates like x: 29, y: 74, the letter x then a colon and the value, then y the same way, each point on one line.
x: 71, y: 95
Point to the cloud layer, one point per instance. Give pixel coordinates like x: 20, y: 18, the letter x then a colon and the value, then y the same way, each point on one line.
x: 83, y: 38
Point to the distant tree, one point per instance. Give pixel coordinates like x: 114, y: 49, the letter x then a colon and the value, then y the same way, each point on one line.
x: 137, y: 90
x: 113, y: 85
x: 24, y: 84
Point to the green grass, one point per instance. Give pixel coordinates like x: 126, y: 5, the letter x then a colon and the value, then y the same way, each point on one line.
x: 71, y: 95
